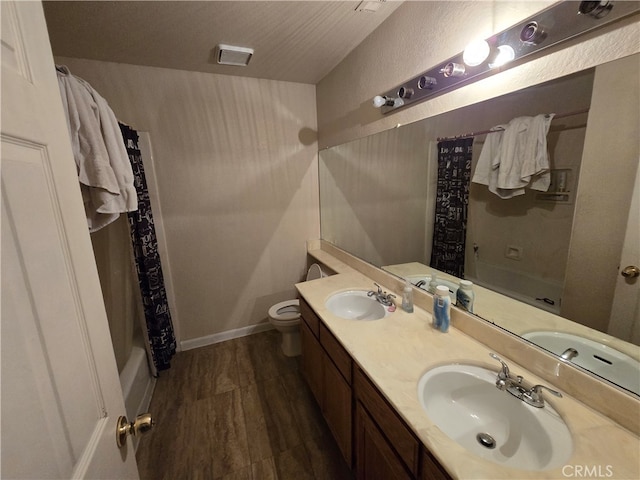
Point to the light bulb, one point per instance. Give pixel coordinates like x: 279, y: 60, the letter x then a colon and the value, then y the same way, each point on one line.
x: 476, y: 53
x: 506, y: 53
x: 379, y: 101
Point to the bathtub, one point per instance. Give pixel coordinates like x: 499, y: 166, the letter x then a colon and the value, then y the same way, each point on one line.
x: 539, y: 292
x: 137, y: 384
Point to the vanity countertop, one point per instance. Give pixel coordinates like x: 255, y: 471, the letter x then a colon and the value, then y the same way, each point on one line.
x: 396, y: 351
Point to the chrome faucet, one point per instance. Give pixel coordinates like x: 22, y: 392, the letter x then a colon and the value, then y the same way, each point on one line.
x: 513, y: 385
x: 534, y: 396
x: 384, y: 298
x: 505, y: 381
x: 569, y: 353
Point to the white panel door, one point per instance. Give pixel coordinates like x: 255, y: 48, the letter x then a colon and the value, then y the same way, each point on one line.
x: 61, y: 395
x: 625, y: 313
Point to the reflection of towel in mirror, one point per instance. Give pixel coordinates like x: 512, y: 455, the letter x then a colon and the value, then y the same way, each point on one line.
x: 516, y: 158
x: 486, y: 172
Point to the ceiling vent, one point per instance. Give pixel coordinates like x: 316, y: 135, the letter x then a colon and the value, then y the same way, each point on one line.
x: 230, y: 55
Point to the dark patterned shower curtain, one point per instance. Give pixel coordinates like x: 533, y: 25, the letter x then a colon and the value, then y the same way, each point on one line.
x: 147, y: 260
x: 452, y: 199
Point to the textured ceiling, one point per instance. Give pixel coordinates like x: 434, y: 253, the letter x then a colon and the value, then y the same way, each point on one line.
x: 293, y: 41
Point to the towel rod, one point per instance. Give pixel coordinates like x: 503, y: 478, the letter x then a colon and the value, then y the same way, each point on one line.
x: 483, y: 132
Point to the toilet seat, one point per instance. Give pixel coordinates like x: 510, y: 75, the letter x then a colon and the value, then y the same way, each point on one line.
x: 315, y: 272
x: 287, y: 311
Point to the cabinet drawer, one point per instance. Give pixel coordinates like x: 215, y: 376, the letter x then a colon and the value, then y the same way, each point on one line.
x: 398, y: 434
x: 310, y: 318
x: 336, y: 352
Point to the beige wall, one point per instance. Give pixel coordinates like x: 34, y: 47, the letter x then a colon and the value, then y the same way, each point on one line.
x: 236, y: 164
x: 419, y: 35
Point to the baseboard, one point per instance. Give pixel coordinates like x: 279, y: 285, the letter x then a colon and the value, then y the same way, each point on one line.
x: 223, y: 336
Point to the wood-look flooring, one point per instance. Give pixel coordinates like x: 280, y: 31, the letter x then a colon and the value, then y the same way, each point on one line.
x: 237, y: 410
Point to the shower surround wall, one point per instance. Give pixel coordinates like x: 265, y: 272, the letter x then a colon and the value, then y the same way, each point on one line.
x: 112, y: 249
x: 236, y: 164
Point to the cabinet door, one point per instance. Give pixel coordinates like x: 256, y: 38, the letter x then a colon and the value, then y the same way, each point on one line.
x: 431, y: 469
x: 337, y: 406
x: 311, y: 363
x: 404, y: 443
x: 375, y: 459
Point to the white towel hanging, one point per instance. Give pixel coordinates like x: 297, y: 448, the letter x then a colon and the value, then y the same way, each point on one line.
x: 104, y: 170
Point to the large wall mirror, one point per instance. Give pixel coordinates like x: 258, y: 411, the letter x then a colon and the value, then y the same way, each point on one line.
x: 546, y: 265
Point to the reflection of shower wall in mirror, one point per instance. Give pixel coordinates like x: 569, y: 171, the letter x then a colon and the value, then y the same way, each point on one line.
x: 541, y: 230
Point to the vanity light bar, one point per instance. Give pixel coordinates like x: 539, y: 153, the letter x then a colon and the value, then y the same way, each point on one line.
x: 547, y: 28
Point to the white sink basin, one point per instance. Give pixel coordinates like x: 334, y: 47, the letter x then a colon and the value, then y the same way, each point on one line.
x: 600, y: 359
x: 463, y: 401
x: 356, y: 305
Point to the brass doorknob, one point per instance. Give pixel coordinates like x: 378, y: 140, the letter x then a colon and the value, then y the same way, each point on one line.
x: 141, y: 425
x: 630, y: 272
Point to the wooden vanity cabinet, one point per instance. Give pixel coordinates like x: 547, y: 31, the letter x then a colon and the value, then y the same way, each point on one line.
x: 327, y: 366
x: 311, y: 362
x: 337, y: 398
x: 375, y: 458
x: 386, y: 448
x: 370, y: 434
x: 383, y: 441
x: 431, y: 469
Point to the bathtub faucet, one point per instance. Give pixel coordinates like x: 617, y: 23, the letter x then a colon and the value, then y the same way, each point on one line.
x: 569, y: 353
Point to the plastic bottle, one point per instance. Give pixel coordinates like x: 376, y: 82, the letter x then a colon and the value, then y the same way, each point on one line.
x: 442, y: 308
x: 407, y: 298
x: 465, y: 295
x: 433, y: 283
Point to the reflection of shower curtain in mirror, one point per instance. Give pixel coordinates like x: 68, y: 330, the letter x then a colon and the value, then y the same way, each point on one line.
x: 452, y: 200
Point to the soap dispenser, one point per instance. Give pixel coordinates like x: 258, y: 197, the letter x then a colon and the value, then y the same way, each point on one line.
x: 407, y: 297
x: 433, y: 283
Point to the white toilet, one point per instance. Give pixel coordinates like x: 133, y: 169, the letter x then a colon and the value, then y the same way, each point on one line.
x: 285, y: 317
